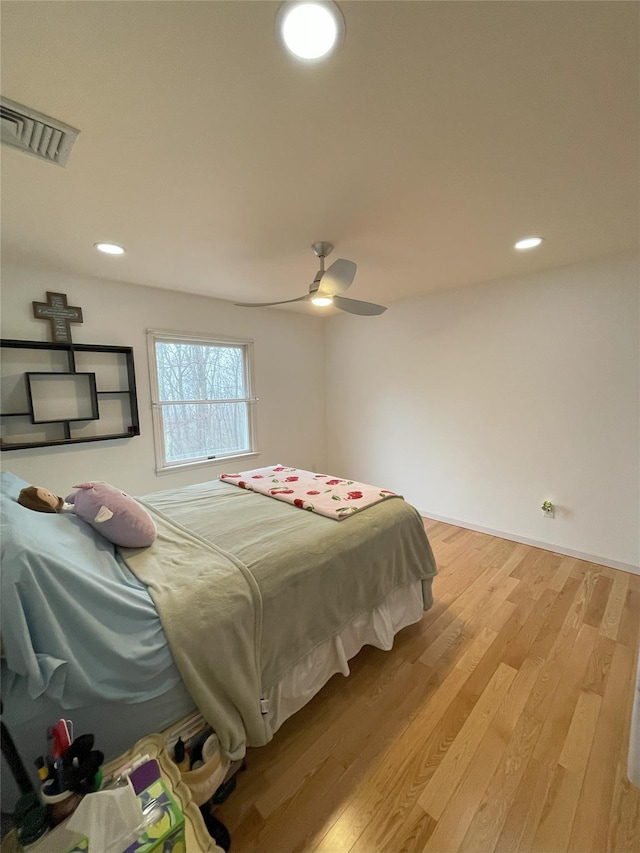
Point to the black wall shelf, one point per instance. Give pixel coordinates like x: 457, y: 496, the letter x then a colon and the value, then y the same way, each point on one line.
x: 118, y: 359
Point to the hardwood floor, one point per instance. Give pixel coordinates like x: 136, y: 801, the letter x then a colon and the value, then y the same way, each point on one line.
x: 498, y: 723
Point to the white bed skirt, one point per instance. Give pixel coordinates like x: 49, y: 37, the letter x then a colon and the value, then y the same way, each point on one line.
x: 378, y: 627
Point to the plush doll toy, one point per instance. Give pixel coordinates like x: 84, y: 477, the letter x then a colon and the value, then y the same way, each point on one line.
x: 118, y: 516
x: 41, y: 500
x: 110, y: 511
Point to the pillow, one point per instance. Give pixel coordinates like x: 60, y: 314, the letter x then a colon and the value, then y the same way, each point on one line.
x: 114, y: 514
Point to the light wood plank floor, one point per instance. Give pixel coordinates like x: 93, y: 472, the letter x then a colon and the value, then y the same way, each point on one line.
x: 498, y: 723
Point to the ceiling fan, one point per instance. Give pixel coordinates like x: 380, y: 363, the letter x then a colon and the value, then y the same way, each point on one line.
x: 327, y: 287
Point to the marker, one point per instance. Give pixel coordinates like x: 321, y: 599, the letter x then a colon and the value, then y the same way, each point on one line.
x: 41, y: 767
x: 60, y: 775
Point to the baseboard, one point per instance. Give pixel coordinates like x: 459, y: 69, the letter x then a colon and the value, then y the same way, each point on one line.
x: 546, y: 546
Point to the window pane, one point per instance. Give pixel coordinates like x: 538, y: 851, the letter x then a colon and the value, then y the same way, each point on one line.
x: 200, y: 372
x: 191, y: 432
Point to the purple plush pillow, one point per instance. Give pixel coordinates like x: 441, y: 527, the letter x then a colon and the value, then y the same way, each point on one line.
x: 118, y: 516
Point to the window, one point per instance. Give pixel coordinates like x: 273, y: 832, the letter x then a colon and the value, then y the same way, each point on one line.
x: 202, y: 401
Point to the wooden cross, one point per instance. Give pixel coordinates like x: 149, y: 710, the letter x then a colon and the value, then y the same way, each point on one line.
x: 59, y: 315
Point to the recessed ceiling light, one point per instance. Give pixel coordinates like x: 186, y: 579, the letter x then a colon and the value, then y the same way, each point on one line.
x: 528, y: 243
x: 310, y: 30
x: 322, y: 301
x: 110, y: 248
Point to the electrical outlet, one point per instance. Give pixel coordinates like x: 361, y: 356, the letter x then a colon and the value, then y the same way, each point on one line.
x: 547, y: 509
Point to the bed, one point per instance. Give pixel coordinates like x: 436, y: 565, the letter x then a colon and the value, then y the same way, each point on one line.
x: 244, y: 606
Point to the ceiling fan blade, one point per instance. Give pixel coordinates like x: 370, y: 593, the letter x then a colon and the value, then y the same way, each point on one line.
x: 356, y: 306
x: 304, y: 298
x: 338, y: 277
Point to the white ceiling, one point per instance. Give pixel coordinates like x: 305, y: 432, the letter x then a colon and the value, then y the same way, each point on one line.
x: 438, y: 134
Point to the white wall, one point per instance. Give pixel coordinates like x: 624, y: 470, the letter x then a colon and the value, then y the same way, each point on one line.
x: 477, y: 404
x: 289, y: 377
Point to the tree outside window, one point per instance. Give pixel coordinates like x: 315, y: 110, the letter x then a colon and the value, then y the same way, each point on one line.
x: 203, y: 406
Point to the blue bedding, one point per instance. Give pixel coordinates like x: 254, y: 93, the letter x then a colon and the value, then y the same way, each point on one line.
x: 75, y: 622
x: 80, y: 638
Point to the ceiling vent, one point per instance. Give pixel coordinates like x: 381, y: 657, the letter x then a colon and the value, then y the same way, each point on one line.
x: 36, y: 133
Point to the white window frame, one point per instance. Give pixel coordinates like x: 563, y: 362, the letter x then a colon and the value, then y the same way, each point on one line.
x: 163, y: 466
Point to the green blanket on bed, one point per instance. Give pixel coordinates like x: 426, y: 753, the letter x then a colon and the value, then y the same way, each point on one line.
x: 246, y: 586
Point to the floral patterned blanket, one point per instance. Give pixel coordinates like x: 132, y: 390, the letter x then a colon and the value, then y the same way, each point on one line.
x: 330, y: 496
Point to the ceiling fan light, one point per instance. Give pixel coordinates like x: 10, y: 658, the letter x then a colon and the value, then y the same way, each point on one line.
x: 322, y: 301
x: 528, y: 243
x: 310, y: 30
x: 110, y: 248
